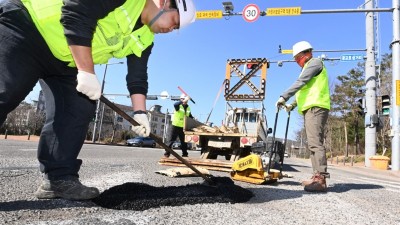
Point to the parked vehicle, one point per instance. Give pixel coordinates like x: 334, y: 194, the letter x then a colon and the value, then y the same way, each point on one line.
x: 177, y: 145
x: 141, y: 142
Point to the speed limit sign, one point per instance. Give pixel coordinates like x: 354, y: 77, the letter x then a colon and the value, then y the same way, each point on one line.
x: 251, y: 12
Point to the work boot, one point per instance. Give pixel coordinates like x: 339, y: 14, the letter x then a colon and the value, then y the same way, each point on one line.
x: 318, y: 184
x: 185, y: 155
x: 166, y: 155
x: 69, y: 188
x: 308, y: 182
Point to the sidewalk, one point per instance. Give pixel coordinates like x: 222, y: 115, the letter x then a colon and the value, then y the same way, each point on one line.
x: 367, y: 171
x: 359, y: 168
x: 20, y: 137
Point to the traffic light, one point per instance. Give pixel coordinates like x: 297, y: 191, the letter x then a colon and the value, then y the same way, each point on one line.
x: 251, y: 66
x: 385, y: 101
x: 360, y: 106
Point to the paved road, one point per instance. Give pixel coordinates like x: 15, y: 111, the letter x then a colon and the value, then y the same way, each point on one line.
x: 356, y: 195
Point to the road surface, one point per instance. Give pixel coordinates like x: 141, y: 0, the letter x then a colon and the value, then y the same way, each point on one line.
x: 357, y: 195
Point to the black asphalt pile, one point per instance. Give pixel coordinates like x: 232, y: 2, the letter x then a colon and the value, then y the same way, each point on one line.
x: 139, y: 196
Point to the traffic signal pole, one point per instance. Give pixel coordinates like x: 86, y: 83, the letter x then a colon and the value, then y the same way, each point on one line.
x: 370, y: 85
x: 396, y: 87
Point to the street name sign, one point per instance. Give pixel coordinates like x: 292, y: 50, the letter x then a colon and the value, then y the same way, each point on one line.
x: 351, y: 57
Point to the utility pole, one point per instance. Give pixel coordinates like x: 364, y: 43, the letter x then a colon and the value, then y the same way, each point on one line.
x: 396, y: 87
x: 370, y: 85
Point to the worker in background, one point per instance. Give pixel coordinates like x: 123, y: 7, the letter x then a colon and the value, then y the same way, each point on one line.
x: 313, y: 102
x: 59, y: 42
x: 182, y: 110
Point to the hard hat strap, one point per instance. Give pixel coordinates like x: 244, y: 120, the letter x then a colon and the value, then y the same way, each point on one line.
x: 162, y: 11
x: 156, y: 17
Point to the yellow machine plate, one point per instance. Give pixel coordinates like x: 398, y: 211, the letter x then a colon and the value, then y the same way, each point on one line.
x: 249, y: 169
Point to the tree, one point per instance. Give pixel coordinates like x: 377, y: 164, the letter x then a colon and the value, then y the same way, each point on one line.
x: 348, y: 90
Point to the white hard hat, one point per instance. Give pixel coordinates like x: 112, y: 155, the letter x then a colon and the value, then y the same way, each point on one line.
x: 183, y: 96
x: 187, y: 12
x: 301, y: 47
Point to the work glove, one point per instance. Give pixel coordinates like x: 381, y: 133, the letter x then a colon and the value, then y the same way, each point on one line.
x: 88, y: 85
x: 143, y: 129
x: 281, y: 102
x: 187, y: 98
x: 289, y: 107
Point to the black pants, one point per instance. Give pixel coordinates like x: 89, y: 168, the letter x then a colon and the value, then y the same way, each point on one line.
x: 24, y: 59
x: 178, y: 132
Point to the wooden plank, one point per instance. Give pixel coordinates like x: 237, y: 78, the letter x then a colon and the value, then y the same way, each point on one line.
x: 211, y: 164
x: 223, y: 169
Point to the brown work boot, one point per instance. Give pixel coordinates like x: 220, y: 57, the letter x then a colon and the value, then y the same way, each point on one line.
x: 318, y: 184
x: 308, y: 182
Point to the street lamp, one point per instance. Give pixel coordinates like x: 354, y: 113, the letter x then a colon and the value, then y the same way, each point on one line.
x: 98, y: 101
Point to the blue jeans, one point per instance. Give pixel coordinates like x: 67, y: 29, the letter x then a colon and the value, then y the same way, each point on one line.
x: 24, y: 59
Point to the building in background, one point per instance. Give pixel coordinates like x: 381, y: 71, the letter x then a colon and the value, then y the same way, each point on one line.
x: 112, y: 126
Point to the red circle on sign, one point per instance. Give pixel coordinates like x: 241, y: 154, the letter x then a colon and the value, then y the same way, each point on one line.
x: 251, y: 12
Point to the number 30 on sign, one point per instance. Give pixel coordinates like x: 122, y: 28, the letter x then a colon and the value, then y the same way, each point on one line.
x: 251, y: 12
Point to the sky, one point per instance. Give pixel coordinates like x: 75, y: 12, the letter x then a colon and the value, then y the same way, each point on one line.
x: 195, y: 57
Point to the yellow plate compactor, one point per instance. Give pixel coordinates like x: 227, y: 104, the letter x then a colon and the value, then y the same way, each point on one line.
x: 250, y: 169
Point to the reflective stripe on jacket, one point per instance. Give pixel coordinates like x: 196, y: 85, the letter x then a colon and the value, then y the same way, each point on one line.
x: 113, y: 36
x: 180, y: 115
x: 315, y: 92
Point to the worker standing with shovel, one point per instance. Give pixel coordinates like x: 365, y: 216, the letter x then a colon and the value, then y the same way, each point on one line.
x: 313, y: 102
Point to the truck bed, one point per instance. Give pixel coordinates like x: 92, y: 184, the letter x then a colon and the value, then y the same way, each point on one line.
x: 218, y: 134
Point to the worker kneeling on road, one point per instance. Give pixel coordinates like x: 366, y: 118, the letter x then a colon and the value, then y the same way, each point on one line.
x: 313, y: 102
x: 59, y: 42
x: 182, y: 110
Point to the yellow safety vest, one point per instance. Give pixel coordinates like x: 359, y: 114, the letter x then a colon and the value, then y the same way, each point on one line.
x: 314, y: 93
x: 113, y: 36
x: 180, y: 115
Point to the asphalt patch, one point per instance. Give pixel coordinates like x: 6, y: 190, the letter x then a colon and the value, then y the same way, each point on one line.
x: 139, y: 196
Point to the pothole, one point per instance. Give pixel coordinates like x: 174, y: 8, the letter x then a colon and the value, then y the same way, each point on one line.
x: 140, y: 196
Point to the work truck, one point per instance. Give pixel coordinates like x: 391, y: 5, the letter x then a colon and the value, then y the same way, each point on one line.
x: 244, y: 131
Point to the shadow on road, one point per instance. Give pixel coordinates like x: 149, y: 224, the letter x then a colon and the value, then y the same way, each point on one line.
x: 343, y: 187
x: 289, y: 167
